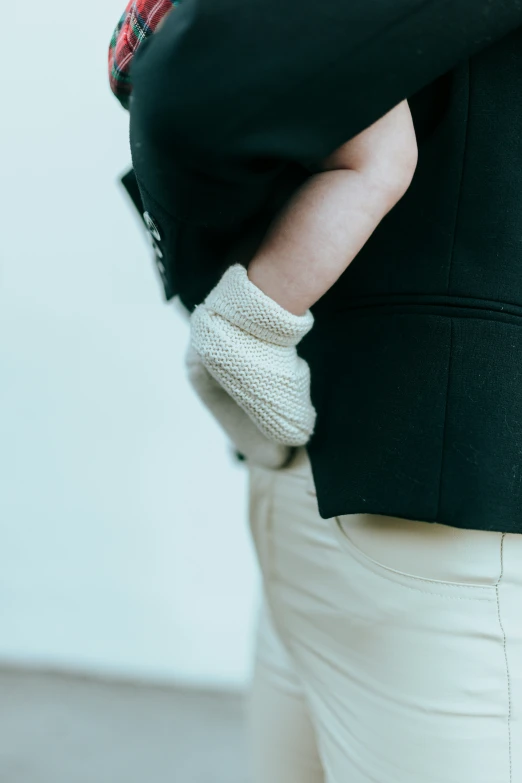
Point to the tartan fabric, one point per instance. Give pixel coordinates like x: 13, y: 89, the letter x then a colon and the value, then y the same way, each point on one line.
x: 140, y: 19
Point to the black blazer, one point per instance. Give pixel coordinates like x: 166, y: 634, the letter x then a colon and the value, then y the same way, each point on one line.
x: 416, y: 354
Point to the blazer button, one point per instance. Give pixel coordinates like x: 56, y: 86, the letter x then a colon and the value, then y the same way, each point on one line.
x: 162, y: 270
x: 152, y: 227
x: 157, y: 250
x: 154, y: 234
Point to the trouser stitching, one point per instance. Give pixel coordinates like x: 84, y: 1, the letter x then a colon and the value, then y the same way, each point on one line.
x: 505, y: 658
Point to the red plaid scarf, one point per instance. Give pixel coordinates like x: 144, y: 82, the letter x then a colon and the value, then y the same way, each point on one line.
x: 141, y: 18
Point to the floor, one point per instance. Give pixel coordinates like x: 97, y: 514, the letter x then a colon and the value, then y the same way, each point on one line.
x: 63, y: 729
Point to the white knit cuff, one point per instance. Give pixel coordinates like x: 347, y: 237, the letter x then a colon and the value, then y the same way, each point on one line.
x: 243, y: 304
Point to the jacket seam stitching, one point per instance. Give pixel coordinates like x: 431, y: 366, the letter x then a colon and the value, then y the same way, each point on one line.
x: 448, y: 285
x: 443, y: 451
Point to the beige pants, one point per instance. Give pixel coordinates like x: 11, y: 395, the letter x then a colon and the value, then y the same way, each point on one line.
x: 389, y: 651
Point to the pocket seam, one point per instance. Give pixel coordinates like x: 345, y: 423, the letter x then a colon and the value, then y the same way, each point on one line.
x: 488, y: 591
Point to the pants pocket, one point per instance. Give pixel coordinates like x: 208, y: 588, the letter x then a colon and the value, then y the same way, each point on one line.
x: 426, y: 555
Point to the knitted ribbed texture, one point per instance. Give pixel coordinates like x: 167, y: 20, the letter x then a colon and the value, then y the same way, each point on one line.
x: 247, y: 343
x: 242, y: 303
x: 244, y: 434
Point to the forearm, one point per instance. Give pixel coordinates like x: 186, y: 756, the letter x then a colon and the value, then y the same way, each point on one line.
x: 316, y: 238
x: 329, y: 220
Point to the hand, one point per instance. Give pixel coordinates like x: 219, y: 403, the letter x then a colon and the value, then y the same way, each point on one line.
x: 239, y: 427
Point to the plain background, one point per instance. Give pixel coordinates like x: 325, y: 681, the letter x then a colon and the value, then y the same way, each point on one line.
x: 124, y: 546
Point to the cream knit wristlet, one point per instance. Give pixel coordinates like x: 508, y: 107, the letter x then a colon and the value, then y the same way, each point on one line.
x: 248, y: 342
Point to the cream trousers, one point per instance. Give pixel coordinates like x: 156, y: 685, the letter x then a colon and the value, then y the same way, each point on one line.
x: 389, y: 650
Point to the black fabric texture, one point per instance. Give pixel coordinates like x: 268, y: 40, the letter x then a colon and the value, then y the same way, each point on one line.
x: 416, y: 352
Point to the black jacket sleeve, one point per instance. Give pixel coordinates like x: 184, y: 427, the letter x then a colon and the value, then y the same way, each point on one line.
x: 232, y: 98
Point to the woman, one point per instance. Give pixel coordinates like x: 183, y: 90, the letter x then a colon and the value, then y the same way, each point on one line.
x: 390, y: 547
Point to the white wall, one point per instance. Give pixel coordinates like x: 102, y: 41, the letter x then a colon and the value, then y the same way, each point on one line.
x: 123, y: 538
